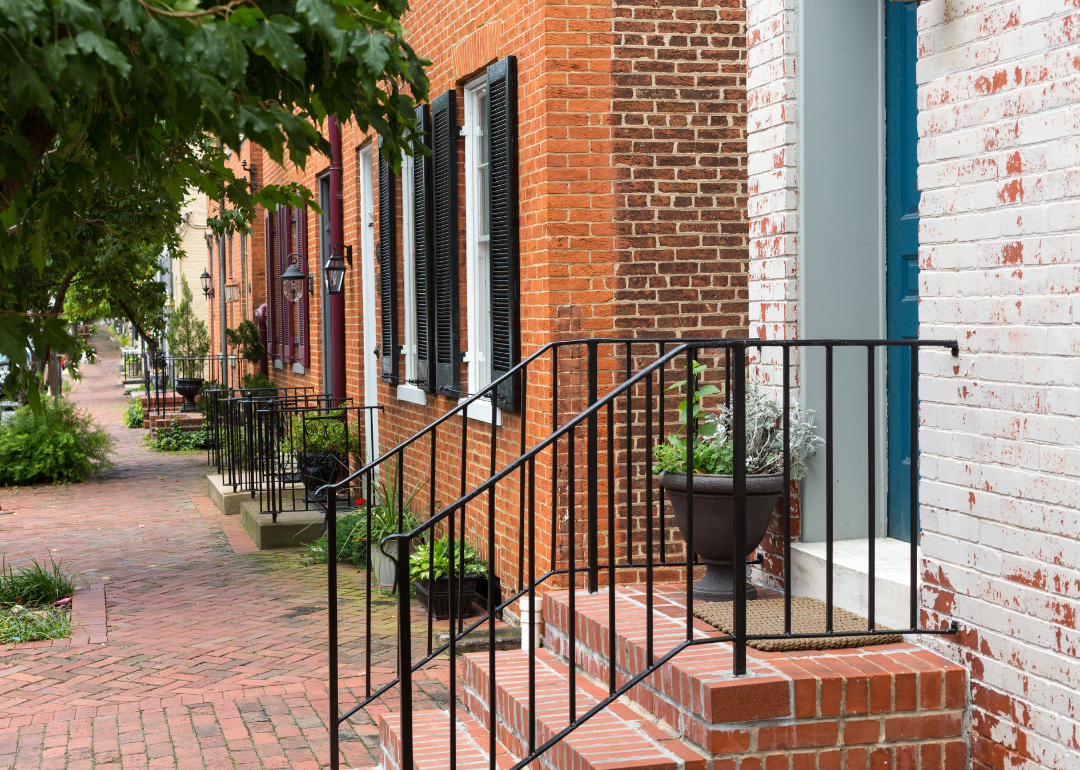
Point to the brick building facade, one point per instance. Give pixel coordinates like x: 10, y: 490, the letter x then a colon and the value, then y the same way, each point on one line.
x: 631, y: 185
x: 783, y: 170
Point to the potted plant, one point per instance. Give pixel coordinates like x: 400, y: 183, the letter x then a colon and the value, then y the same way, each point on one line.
x: 714, y: 510
x: 429, y: 571
x: 189, y: 343
x: 319, y: 442
x: 385, y: 521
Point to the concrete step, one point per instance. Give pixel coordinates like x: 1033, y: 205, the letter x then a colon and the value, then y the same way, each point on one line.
x: 291, y: 530
x: 431, y: 743
x: 616, y: 737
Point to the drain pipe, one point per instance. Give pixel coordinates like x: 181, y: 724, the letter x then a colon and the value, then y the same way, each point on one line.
x: 337, y: 240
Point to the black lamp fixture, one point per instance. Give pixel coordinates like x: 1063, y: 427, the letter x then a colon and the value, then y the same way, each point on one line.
x: 334, y: 269
x: 293, y: 280
x: 207, y: 284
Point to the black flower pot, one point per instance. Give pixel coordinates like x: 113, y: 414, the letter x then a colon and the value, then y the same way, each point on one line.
x: 188, y: 387
x: 436, y: 599
x: 317, y: 469
x: 714, y: 524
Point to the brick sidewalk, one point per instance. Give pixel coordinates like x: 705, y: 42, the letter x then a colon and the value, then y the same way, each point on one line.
x: 214, y: 658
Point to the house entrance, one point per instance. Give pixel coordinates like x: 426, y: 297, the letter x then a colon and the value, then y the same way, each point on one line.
x: 902, y: 249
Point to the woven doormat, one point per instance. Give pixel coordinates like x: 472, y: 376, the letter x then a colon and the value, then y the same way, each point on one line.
x: 766, y: 616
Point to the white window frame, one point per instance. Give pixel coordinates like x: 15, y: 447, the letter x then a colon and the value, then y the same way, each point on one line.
x: 408, y: 391
x: 477, y: 256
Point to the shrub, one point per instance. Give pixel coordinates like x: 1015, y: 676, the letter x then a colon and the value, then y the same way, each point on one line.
x: 202, y: 402
x: 245, y: 338
x: 57, y: 444
x: 175, y: 439
x: 188, y: 338
x: 133, y: 416
x: 256, y: 381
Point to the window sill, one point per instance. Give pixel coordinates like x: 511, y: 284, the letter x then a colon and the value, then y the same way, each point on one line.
x: 482, y: 411
x: 412, y: 395
x: 851, y: 575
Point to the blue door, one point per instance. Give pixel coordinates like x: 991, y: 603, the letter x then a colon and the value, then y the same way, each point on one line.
x: 902, y: 250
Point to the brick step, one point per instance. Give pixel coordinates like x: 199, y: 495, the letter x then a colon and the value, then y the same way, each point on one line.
x: 616, y: 737
x: 822, y: 706
x: 431, y: 743
x: 187, y: 420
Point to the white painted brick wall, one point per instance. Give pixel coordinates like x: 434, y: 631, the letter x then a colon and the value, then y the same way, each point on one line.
x: 771, y: 206
x: 999, y: 151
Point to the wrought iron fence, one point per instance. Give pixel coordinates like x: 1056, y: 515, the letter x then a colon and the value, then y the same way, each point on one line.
x: 600, y: 406
x: 131, y: 365
x: 172, y: 383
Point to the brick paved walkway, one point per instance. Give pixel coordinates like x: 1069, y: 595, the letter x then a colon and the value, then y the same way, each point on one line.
x: 214, y: 658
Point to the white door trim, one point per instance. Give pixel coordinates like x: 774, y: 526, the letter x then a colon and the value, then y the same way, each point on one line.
x: 367, y: 279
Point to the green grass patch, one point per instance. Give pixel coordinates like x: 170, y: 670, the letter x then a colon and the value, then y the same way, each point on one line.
x: 27, y: 599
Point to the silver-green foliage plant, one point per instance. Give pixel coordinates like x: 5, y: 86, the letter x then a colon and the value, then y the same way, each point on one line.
x: 714, y: 441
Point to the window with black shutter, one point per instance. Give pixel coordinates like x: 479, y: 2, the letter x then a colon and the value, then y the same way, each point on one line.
x: 502, y: 223
x: 422, y: 241
x: 444, y: 207
x: 389, y: 350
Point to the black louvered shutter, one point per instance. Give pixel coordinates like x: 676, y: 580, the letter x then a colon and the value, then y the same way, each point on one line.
x: 503, y: 223
x: 444, y: 207
x: 303, y: 312
x: 271, y: 289
x: 421, y: 192
x: 285, y: 245
x: 389, y: 351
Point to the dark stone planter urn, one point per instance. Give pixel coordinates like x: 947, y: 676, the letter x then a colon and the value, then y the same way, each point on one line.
x: 714, y: 520
x: 317, y: 469
x: 188, y: 387
x: 436, y: 598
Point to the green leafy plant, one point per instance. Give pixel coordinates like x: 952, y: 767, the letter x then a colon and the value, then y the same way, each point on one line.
x: 173, y: 438
x: 202, y: 401
x: 133, y: 414
x: 256, y: 381
x: 315, y: 432
x: 245, y: 338
x: 188, y: 338
x: 466, y: 560
x: 714, y: 443
x: 351, y: 540
x: 57, y: 444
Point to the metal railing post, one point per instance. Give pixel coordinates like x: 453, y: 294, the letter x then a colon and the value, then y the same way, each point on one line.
x: 738, y: 461
x: 331, y: 599
x: 404, y: 632
x: 593, y: 513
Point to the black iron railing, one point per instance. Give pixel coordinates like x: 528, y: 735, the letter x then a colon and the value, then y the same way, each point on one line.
x: 165, y: 377
x: 594, y: 410
x: 131, y: 365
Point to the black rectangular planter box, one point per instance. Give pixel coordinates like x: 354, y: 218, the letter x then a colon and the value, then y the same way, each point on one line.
x: 438, y: 602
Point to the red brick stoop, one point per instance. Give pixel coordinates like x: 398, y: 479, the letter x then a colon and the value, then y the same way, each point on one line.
x: 616, y: 738
x: 431, y: 742
x: 887, y: 706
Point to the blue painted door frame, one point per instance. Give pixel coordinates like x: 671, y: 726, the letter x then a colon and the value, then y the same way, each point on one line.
x: 902, y: 249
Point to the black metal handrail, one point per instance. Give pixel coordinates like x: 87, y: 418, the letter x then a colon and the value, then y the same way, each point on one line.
x: 598, y: 408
